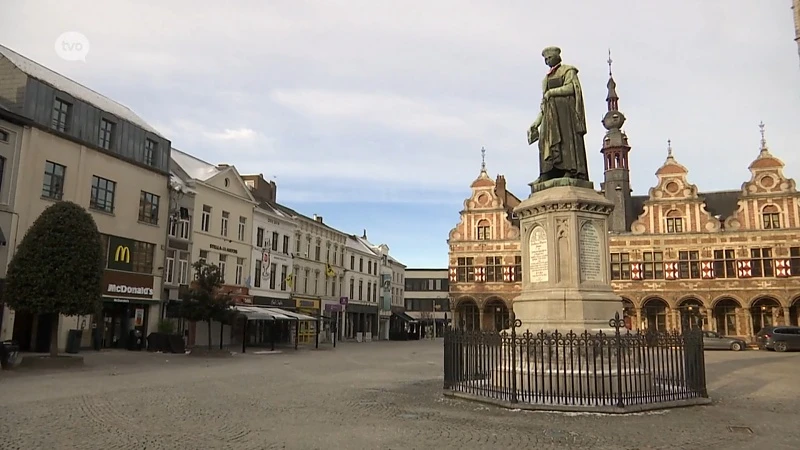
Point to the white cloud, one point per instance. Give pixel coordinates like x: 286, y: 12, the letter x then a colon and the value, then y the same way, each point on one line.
x: 391, y: 111
x: 239, y: 134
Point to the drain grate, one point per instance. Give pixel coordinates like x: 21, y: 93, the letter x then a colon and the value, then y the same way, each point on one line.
x: 745, y: 430
x: 408, y: 416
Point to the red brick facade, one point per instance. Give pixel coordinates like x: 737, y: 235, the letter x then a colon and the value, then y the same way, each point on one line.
x: 726, y: 261
x: 484, y: 257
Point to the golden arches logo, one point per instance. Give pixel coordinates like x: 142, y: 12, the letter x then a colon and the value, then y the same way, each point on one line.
x: 122, y: 254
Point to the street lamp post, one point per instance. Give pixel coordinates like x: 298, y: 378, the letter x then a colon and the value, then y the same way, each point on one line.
x: 436, y: 308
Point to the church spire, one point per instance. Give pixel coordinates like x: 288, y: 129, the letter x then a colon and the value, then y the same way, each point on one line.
x: 616, y: 178
x: 612, y: 99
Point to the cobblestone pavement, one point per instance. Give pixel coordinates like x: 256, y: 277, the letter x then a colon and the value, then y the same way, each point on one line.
x: 381, y: 395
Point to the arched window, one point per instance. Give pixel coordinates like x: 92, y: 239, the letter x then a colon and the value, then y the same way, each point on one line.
x: 771, y: 217
x: 674, y: 222
x: 654, y: 313
x: 725, y: 313
x: 484, y: 230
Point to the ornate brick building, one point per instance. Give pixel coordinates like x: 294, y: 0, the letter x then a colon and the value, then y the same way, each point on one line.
x: 485, y: 261
x: 726, y: 261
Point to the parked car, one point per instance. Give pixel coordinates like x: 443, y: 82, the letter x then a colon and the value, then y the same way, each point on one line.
x: 780, y: 339
x: 714, y: 341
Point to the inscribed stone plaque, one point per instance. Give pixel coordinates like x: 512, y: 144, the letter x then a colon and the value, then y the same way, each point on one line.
x: 538, y: 270
x: 591, y: 261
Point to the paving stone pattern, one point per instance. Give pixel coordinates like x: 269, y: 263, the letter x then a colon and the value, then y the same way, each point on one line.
x: 381, y: 395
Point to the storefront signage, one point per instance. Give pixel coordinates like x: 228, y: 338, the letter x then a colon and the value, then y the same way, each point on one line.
x: 129, y: 290
x: 386, y: 282
x: 307, y: 304
x: 127, y: 284
x: 272, y: 301
x: 333, y: 308
x: 119, y: 253
x: 363, y: 309
x: 343, y: 300
x: 223, y: 249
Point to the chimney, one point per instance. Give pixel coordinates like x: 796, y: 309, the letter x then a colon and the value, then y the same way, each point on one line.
x: 317, y: 218
x: 262, y: 190
x: 500, y: 187
x: 365, y: 234
x: 274, y: 191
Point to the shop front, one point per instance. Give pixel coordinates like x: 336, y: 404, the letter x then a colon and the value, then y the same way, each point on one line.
x: 309, y: 306
x: 129, y: 312
x: 271, y: 332
x: 403, y: 327
x: 361, y: 321
x: 333, y: 321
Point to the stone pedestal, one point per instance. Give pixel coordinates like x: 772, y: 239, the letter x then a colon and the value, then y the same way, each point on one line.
x: 565, y: 259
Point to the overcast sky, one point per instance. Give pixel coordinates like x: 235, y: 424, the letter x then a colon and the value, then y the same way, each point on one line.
x: 372, y: 113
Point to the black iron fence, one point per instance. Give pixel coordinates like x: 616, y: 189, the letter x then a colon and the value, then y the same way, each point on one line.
x: 618, y: 368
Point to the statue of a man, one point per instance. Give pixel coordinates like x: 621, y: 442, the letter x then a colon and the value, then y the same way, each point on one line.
x: 561, y: 124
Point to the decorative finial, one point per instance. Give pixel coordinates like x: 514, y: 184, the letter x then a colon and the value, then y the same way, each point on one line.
x: 609, y: 62
x: 669, y: 148
x: 763, y: 138
x: 483, y: 159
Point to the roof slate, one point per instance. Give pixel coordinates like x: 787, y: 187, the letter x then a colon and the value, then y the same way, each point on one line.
x: 73, y: 88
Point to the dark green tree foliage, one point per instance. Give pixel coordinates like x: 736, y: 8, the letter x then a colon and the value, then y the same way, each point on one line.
x: 205, y: 302
x: 58, y: 266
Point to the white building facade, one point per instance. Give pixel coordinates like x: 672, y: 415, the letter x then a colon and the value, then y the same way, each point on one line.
x: 391, y: 292
x: 222, y: 233
x: 362, y: 282
x: 272, y: 258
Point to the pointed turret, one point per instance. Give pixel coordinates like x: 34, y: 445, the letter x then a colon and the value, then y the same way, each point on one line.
x: 616, y: 185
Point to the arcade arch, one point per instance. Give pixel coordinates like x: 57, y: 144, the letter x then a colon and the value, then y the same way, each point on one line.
x: 725, y: 315
x: 467, y: 315
x: 764, y: 312
x: 496, y: 315
x: 692, y: 314
x: 654, y: 314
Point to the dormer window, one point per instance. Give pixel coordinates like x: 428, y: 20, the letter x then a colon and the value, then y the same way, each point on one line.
x: 484, y: 230
x: 771, y: 217
x: 150, y: 149
x: 674, y: 222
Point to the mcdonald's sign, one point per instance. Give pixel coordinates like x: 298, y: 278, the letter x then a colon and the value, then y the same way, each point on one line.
x: 119, y: 253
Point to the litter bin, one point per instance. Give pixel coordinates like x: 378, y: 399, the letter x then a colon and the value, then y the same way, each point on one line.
x: 8, y: 354
x: 135, y: 340
x: 74, y: 341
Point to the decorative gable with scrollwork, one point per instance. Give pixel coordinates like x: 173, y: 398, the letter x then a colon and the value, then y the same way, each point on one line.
x: 674, y: 204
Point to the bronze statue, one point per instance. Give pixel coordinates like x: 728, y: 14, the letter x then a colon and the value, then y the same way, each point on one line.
x: 561, y: 123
